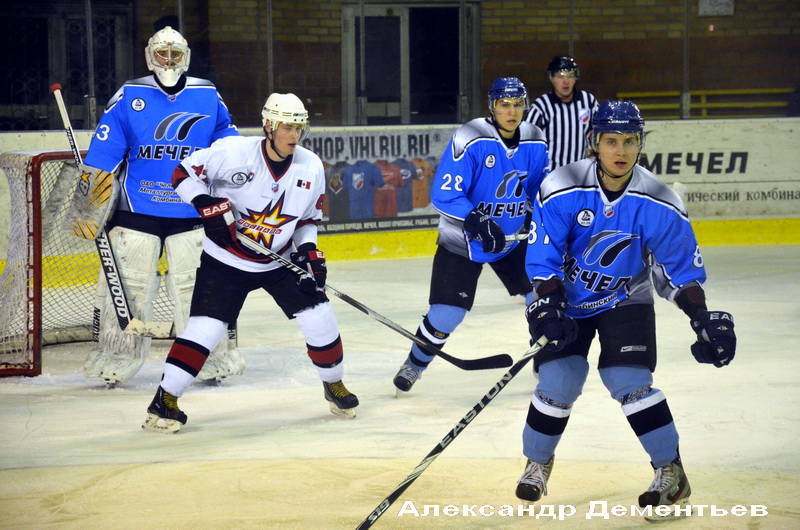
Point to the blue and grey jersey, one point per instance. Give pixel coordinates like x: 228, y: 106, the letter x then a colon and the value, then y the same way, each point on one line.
x: 611, y: 253
x: 477, y: 170
x: 144, y: 133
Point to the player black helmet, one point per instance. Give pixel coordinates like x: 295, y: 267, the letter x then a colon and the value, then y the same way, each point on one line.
x: 563, y: 63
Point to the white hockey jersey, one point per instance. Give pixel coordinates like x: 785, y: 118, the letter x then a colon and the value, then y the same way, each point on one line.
x: 268, y: 208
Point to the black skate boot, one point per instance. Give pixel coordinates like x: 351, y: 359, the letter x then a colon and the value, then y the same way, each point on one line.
x: 342, y: 401
x: 670, y: 487
x: 533, y: 482
x: 163, y: 414
x: 407, y: 376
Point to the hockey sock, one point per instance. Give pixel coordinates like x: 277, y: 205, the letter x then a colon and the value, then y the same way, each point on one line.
x: 436, y: 327
x: 651, y: 420
x: 646, y: 410
x: 184, y: 362
x: 328, y: 360
x: 560, y: 383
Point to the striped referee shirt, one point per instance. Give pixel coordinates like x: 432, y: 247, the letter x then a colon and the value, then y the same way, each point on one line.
x: 565, y: 125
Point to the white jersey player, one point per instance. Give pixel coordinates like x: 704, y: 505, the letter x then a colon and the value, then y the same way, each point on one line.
x: 149, y: 125
x: 271, y: 190
x: 606, y: 233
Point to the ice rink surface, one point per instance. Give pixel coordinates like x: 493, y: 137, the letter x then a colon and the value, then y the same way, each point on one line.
x: 262, y: 450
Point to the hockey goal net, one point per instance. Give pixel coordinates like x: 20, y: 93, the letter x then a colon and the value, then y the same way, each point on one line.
x: 49, y: 279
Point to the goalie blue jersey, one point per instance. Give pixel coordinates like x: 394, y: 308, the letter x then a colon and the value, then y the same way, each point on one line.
x: 477, y: 170
x: 611, y: 253
x: 144, y: 133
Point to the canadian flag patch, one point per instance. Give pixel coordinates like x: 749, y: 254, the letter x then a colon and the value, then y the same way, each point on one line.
x: 303, y: 184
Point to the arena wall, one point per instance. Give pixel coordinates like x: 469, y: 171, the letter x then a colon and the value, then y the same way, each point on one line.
x: 741, y: 179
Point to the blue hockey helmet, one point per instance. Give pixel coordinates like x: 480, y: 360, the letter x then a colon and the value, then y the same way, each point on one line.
x: 621, y: 117
x: 563, y: 63
x: 507, y: 87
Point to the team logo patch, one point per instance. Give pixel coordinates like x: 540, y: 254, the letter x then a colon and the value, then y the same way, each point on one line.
x: 177, y: 126
x: 275, y: 186
x: 490, y: 161
x: 241, y: 178
x: 585, y: 218
x: 584, y: 115
x: 138, y: 104
x: 608, y: 210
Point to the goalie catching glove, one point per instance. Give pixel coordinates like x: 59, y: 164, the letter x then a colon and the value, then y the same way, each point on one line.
x: 716, y: 341
x: 483, y: 228
x: 219, y: 224
x: 92, y: 203
x: 546, y: 317
x: 312, y: 261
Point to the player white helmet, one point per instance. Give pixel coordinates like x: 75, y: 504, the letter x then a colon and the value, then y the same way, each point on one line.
x: 285, y: 108
x: 167, y: 54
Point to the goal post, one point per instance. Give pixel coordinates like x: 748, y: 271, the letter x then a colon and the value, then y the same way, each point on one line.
x: 49, y: 278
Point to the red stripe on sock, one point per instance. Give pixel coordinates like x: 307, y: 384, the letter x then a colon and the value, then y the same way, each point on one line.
x: 332, y: 355
x: 187, y: 355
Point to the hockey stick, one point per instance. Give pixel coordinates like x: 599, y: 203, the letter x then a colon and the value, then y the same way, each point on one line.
x: 454, y: 432
x: 108, y: 261
x: 495, y: 361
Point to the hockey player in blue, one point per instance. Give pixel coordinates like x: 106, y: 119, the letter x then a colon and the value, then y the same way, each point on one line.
x: 606, y: 233
x: 484, y: 186
x: 148, y: 127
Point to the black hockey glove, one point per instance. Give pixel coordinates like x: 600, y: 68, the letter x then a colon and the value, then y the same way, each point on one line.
x: 482, y: 227
x: 311, y: 260
x: 716, y: 341
x: 219, y: 224
x: 546, y: 318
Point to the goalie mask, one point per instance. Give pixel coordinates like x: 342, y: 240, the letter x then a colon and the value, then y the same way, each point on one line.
x: 167, y: 55
x: 285, y: 108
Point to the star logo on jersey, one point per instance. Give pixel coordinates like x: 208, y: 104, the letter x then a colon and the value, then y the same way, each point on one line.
x: 263, y: 226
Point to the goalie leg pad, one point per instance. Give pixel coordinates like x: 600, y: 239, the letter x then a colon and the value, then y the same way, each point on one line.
x: 121, y: 354
x: 93, y: 200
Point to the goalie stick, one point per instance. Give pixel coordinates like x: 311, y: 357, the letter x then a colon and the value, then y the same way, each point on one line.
x: 108, y: 261
x: 495, y: 361
x: 454, y: 432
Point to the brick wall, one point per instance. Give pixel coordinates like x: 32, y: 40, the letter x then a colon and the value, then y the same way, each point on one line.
x: 620, y: 45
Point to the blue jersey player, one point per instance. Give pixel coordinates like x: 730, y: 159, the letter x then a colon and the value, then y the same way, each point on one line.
x: 484, y: 186
x: 606, y: 233
x: 148, y: 127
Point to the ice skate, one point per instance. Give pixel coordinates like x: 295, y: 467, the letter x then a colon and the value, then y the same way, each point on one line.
x: 406, y: 377
x: 221, y: 364
x: 163, y: 414
x: 342, y: 401
x: 670, y: 487
x: 533, y: 482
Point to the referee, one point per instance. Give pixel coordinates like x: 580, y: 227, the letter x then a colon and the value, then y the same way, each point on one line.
x: 565, y: 114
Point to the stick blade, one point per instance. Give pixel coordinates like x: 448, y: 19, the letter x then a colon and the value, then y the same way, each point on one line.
x: 502, y: 360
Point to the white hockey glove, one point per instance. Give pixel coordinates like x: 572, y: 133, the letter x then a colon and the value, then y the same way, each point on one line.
x: 92, y: 202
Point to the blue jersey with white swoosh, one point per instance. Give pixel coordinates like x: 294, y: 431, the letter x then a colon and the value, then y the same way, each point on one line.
x: 144, y: 133
x: 477, y: 170
x: 611, y: 253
